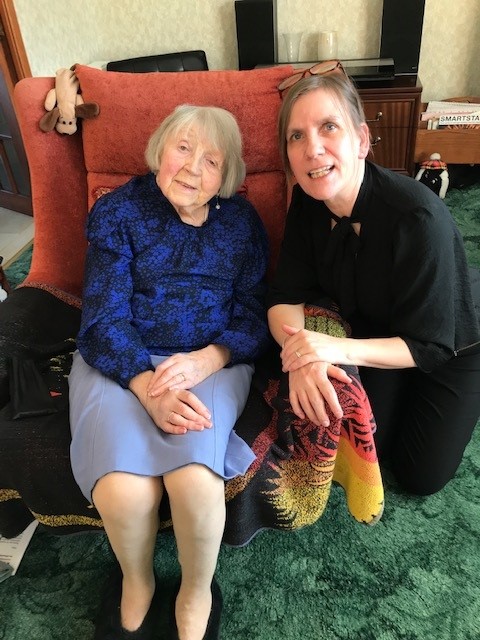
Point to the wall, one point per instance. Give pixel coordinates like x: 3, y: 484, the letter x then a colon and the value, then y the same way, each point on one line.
x: 104, y: 30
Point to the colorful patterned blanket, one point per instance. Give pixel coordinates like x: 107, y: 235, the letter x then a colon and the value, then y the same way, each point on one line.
x: 289, y: 484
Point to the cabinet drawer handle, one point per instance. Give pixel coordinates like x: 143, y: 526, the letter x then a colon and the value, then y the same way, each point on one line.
x: 378, y: 117
x: 375, y: 141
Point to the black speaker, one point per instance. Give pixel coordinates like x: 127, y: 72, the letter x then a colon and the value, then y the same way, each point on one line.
x: 256, y: 32
x: 402, y: 23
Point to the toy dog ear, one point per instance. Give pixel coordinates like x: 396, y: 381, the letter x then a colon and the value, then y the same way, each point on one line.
x: 49, y: 120
x: 87, y: 110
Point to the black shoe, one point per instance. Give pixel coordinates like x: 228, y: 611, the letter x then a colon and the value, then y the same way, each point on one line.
x: 108, y: 625
x: 212, y: 631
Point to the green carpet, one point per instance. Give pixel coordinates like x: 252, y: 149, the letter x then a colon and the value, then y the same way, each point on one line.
x: 413, y: 576
x: 465, y: 207
x: 18, y: 270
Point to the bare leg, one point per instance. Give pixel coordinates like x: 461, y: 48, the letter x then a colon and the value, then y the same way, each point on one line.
x: 197, y: 501
x: 128, y: 505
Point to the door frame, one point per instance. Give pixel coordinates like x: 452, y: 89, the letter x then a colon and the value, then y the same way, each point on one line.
x: 15, y: 55
x: 14, y: 66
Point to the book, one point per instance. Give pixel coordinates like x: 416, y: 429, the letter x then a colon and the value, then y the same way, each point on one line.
x: 447, y: 113
x: 459, y: 118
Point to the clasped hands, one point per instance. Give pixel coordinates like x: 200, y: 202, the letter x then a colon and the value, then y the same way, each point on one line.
x: 308, y: 357
x: 167, y: 398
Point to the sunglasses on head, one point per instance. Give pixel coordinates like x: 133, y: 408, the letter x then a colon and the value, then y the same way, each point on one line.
x: 319, y: 69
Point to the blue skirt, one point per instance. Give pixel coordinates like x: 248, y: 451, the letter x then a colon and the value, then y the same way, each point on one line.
x: 111, y: 431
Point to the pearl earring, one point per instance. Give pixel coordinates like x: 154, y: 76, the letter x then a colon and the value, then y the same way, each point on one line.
x: 217, y: 206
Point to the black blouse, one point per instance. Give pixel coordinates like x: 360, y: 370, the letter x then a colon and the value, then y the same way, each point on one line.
x: 405, y: 274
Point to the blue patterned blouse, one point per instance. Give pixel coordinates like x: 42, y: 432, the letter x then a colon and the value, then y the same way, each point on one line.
x: 155, y: 285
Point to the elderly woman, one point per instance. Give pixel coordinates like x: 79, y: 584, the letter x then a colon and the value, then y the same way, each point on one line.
x: 384, y: 248
x: 173, y: 294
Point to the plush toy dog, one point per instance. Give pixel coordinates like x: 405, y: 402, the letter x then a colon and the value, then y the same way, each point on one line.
x: 64, y: 104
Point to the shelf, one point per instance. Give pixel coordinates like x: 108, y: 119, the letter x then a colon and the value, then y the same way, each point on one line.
x: 455, y: 146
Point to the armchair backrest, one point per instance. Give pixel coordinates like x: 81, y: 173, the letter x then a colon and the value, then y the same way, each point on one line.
x: 69, y: 172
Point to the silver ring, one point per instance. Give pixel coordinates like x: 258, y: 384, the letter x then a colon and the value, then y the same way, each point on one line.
x: 183, y: 376
x: 298, y: 354
x: 169, y: 416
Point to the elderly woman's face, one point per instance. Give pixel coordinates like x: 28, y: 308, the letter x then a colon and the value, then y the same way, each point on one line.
x: 190, y: 171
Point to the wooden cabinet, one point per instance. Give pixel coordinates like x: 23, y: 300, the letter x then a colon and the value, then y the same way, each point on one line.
x: 392, y: 109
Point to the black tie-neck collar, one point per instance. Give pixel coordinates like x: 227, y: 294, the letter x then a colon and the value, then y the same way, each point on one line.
x: 341, y: 251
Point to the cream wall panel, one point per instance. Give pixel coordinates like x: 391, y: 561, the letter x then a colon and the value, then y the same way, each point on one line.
x: 357, y: 23
x: 450, y: 49
x: 58, y: 33
x: 104, y: 30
